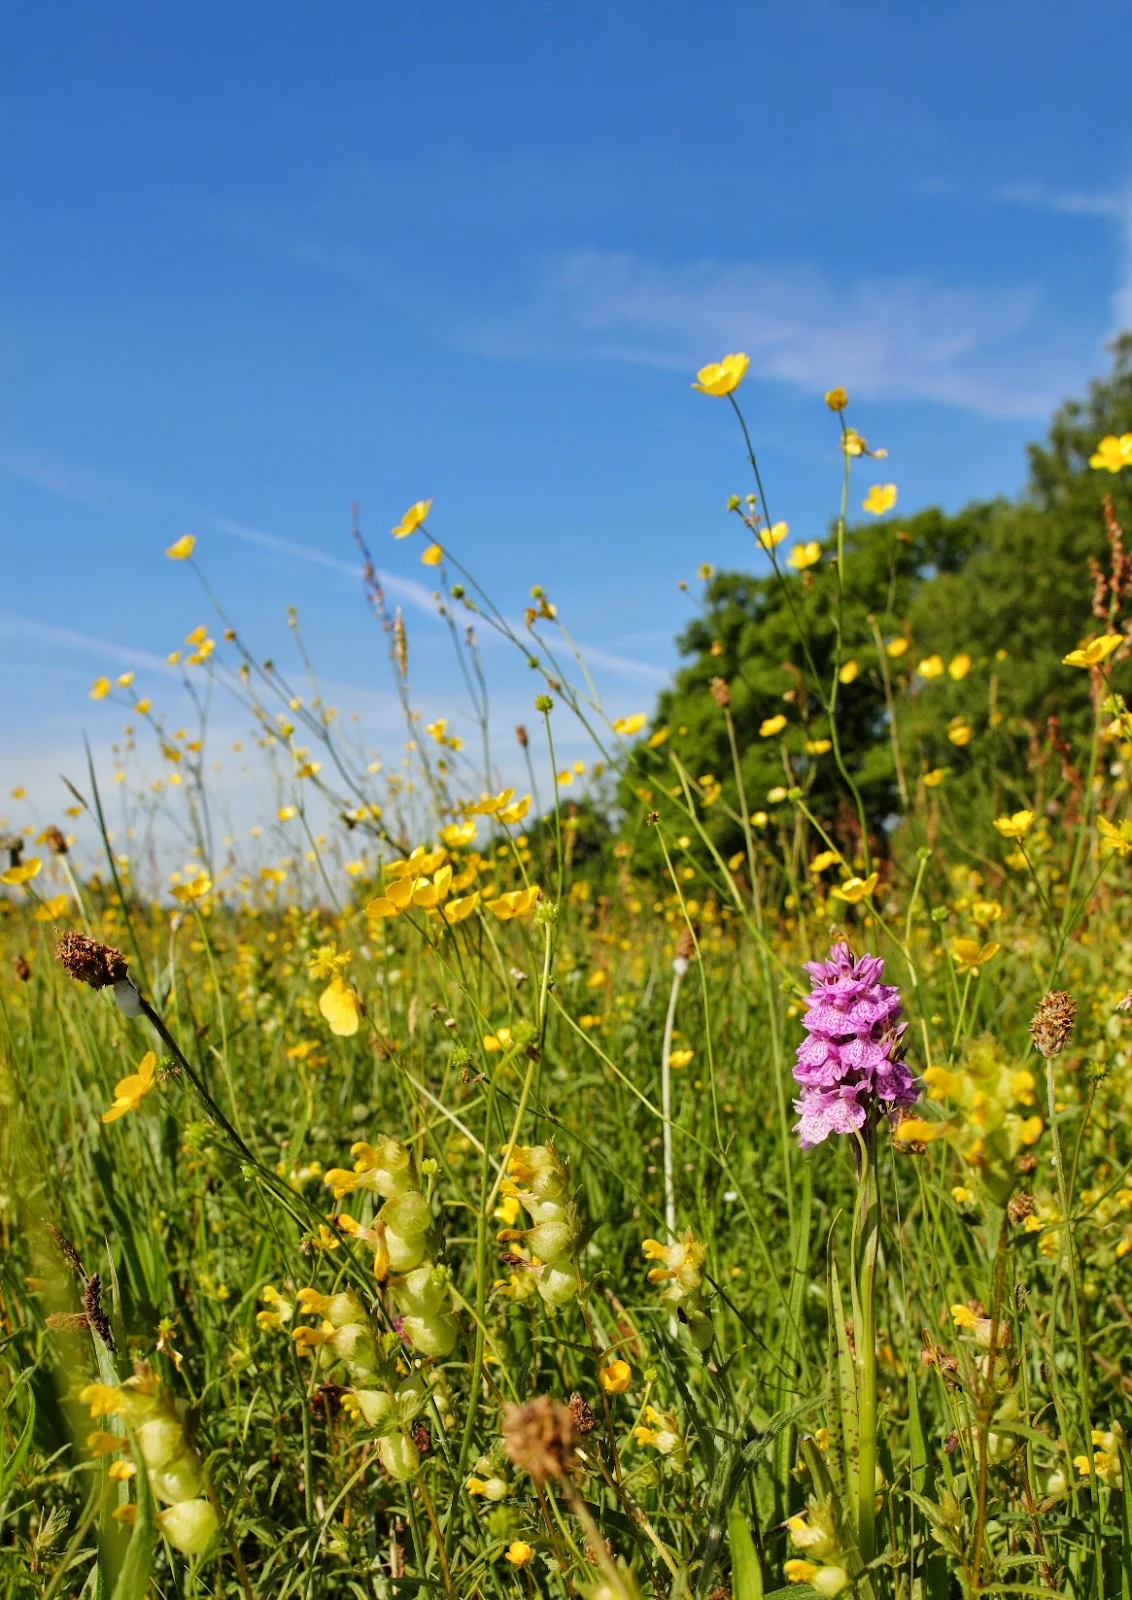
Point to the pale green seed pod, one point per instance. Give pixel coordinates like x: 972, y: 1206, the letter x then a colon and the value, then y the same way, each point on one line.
x: 405, y: 1254
x: 393, y: 1172
x: 160, y: 1441
x: 431, y: 1336
x: 190, y: 1527
x: 557, y: 1285
x: 178, y: 1481
x: 375, y: 1405
x: 423, y: 1292
x: 830, y: 1580
x: 345, y: 1308
x: 551, y: 1240
x: 399, y: 1456
x: 411, y: 1397
x: 355, y: 1346
x: 407, y: 1214
x: 545, y: 1210
x: 700, y: 1330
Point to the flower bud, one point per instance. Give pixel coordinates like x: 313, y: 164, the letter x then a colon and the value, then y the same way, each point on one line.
x: 189, y: 1527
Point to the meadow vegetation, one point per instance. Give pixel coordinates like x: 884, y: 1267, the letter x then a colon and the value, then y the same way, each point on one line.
x: 699, y: 1171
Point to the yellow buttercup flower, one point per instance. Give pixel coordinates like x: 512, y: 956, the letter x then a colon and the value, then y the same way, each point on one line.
x: 182, y: 548
x: 100, y: 688
x: 412, y: 519
x: 854, y: 890
x: 24, y: 872
x: 129, y: 1092
x: 970, y: 955
x: 1091, y: 654
x: 895, y: 648
x: 680, y: 1058
x: 631, y: 724
x: 935, y: 777
x: 804, y: 555
x: 960, y: 731
x: 774, y: 535
x: 1016, y: 826
x: 615, y: 1377
x: 959, y: 666
x: 772, y: 725
x: 433, y: 556
x: 518, y: 1553
x: 722, y: 377
x: 1118, y: 839
x: 848, y: 672
x: 195, y: 889
x: 836, y: 399
x: 1112, y: 454
x: 880, y: 498
x: 341, y: 1007
x: 931, y: 667
x: 516, y: 903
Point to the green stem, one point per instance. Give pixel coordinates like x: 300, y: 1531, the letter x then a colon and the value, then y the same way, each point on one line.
x: 867, y: 1231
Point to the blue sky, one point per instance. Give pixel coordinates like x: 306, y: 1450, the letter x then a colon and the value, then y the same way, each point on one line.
x: 264, y: 261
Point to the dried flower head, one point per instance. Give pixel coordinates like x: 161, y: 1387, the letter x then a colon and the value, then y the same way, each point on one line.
x: 100, y: 965
x: 521, y: 735
x: 583, y: 1415
x: 539, y: 1437
x: 685, y: 945
x: 1019, y: 1206
x: 96, y: 1317
x: 22, y: 968
x: 720, y: 692
x: 1052, y: 1023
x: 55, y: 840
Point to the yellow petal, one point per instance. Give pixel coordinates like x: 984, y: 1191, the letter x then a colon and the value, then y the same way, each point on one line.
x: 182, y: 549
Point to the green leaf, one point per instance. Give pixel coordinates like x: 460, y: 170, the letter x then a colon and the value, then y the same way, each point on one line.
x: 11, y: 1468
x: 746, y: 1572
x: 133, y: 1579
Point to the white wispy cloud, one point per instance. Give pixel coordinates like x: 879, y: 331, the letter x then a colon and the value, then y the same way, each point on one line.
x: 422, y: 599
x: 982, y: 348
x: 1113, y: 206
x: 50, y: 633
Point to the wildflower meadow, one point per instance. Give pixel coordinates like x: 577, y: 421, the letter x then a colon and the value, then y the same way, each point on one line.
x: 699, y: 1170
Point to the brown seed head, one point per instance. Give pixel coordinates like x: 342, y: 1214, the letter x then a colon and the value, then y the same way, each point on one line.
x: 96, y: 1316
x: 686, y: 945
x: 1052, y: 1023
x: 55, y: 841
x: 90, y: 962
x: 720, y: 693
x: 14, y: 845
x: 68, y: 1321
x: 21, y: 968
x: 400, y: 644
x: 1019, y: 1207
x: 539, y: 1437
x: 522, y: 735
